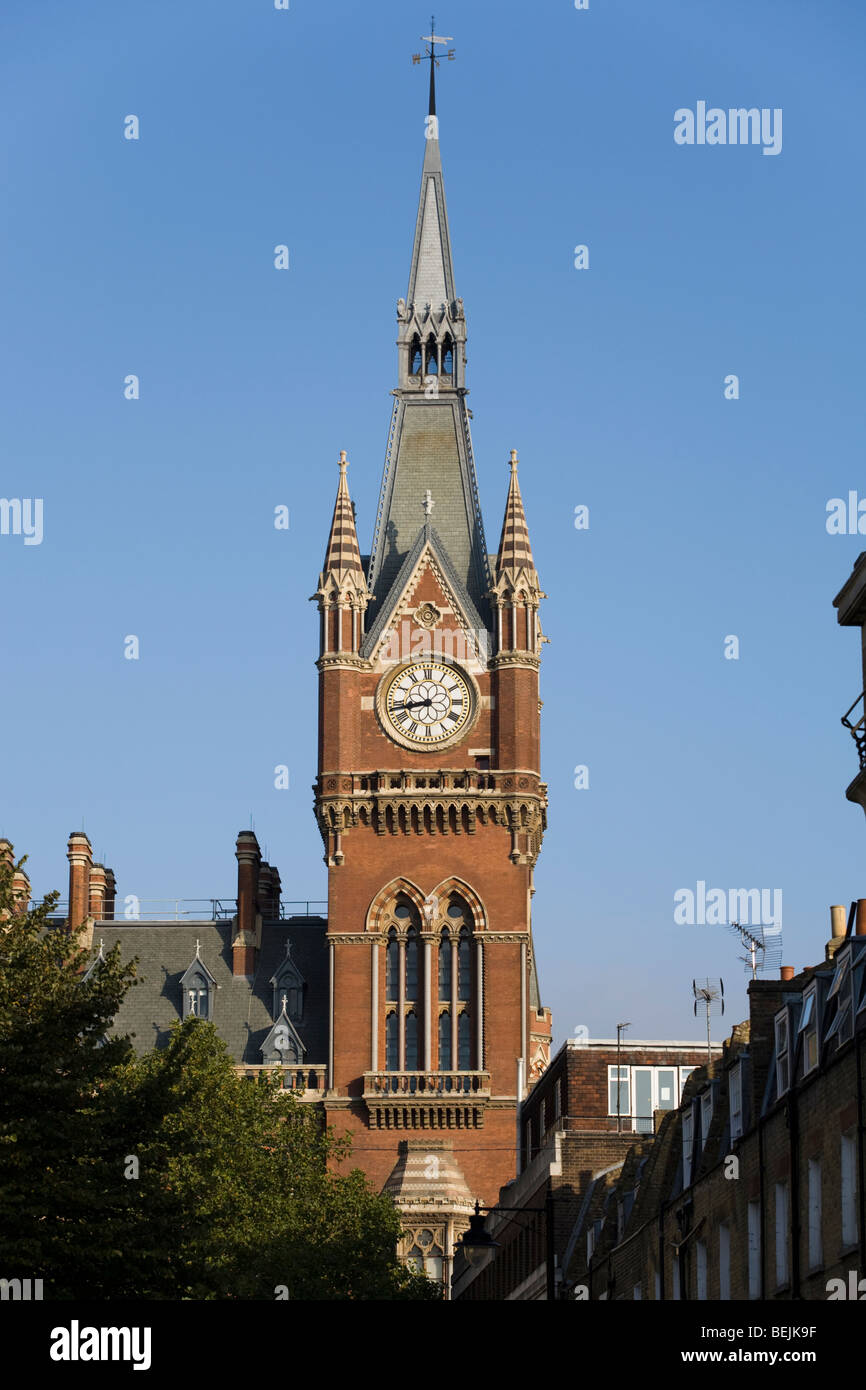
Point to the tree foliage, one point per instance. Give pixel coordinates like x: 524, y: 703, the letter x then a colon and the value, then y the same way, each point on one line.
x: 168, y: 1175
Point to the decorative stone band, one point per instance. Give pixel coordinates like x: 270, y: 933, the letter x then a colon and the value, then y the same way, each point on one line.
x: 363, y: 938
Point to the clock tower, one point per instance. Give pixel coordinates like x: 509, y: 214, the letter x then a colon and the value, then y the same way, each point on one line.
x: 429, y: 796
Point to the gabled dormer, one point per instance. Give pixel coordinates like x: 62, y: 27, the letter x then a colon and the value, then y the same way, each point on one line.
x: 283, y: 1045
x: 289, y: 987
x: 198, y: 989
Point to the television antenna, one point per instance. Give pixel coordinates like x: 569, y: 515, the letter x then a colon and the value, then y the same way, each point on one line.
x: 710, y: 996
x: 754, y: 941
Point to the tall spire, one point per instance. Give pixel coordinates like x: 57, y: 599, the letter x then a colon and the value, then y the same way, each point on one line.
x: 429, y: 445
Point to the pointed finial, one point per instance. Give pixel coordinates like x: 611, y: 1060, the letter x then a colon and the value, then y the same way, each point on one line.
x: 427, y: 503
x: 431, y: 40
x: 344, y: 462
x: 513, y: 461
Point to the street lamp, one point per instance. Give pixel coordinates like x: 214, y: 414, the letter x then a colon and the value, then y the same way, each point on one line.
x: 476, y: 1243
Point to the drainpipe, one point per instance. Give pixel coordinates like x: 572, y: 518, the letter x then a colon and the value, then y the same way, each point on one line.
x: 794, y: 1149
x: 861, y: 1162
x: 762, y: 1252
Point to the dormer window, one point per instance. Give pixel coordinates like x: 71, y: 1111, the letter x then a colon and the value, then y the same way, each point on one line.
x: 288, y: 982
x: 808, y: 1030
x: 842, y: 1027
x: 783, y: 1056
x: 283, y: 1045
x: 198, y: 987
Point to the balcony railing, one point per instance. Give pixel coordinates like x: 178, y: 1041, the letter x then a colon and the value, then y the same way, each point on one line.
x: 190, y: 909
x: 429, y: 1085
x: 857, y: 726
x: 302, y: 1081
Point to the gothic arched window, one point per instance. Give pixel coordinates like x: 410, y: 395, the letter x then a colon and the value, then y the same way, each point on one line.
x: 464, y: 967
x: 415, y: 357
x: 432, y: 357
x: 392, y: 966
x: 412, y: 1041
x: 392, y: 1042
x: 405, y: 984
x: 456, y: 981
x: 445, y: 1061
x: 447, y: 357
x: 445, y: 966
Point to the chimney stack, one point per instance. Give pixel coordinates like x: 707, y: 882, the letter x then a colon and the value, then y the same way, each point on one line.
x: 79, y: 852
x: 110, y: 893
x: 249, y: 858
x: 97, y: 892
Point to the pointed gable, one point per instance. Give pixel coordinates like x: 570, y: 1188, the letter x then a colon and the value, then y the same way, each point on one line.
x: 428, y: 556
x: 283, y: 1043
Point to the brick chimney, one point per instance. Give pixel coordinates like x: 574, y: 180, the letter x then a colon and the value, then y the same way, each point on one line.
x: 765, y: 1000
x: 269, y: 891
x: 79, y: 852
x: 97, y: 892
x: 249, y: 858
x: 110, y: 892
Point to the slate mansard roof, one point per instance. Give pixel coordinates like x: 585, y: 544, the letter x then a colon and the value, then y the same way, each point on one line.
x: 242, y: 1010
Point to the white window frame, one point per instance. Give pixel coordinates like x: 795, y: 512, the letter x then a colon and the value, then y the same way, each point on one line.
x: 724, y: 1261
x: 618, y: 1075
x: 783, y: 1053
x: 735, y: 1100
x: 688, y: 1137
x: 816, y: 1237
x: 781, y: 1205
x: 706, y: 1113
x: 809, y: 1028
x: 701, y: 1270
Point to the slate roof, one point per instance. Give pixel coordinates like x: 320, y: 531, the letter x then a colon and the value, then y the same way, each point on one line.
x: 242, y: 1010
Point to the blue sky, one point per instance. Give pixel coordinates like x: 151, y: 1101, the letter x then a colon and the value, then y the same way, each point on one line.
x: 707, y: 515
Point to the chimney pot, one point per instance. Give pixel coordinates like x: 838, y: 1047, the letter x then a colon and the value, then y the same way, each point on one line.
x: 787, y: 972
x: 860, y: 918
x: 838, y: 921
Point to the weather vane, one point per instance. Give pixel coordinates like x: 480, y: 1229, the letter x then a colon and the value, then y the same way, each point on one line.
x: 431, y: 41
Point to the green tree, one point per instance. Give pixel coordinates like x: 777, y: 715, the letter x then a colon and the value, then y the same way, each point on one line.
x: 165, y: 1176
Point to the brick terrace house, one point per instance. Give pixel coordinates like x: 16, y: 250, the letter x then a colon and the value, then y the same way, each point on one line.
x: 750, y: 1188
x: 578, y: 1123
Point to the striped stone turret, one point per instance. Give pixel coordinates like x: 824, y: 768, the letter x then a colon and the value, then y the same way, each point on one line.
x: 516, y: 589
x: 342, y: 593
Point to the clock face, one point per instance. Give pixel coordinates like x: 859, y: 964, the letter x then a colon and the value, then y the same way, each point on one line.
x: 427, y: 704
